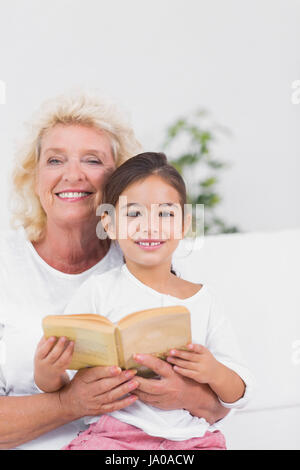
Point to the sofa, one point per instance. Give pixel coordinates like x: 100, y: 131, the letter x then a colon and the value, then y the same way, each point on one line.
x: 257, y: 276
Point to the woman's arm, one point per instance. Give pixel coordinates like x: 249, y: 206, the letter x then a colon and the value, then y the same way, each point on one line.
x: 25, y: 418
x: 93, y: 391
x: 174, y: 391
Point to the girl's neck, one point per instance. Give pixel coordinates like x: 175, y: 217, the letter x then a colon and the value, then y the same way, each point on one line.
x: 72, y: 249
x: 158, y: 277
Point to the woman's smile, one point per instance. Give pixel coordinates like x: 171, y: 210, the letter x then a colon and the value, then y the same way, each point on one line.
x: 69, y: 195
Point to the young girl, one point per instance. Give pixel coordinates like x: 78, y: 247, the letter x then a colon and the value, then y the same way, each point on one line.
x: 148, y: 224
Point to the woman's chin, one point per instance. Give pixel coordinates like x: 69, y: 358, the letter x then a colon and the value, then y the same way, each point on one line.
x: 76, y: 219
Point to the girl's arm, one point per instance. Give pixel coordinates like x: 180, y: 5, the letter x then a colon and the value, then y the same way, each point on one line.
x: 219, y: 364
x: 200, y: 365
x: 200, y: 399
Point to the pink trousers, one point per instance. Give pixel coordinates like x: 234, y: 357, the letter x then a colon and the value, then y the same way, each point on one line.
x: 108, y: 433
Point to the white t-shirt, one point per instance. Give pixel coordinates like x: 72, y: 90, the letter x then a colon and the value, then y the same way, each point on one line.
x: 29, y: 290
x: 117, y: 293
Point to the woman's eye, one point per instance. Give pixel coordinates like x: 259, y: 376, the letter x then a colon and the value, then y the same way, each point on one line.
x: 94, y: 161
x: 54, y: 161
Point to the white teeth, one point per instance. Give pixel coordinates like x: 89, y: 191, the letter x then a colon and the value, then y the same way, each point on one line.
x: 73, y: 194
x: 149, y: 244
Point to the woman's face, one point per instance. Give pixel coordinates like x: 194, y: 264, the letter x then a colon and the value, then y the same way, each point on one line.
x: 74, y: 164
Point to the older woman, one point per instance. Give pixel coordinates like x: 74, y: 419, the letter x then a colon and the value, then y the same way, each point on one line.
x: 75, y: 143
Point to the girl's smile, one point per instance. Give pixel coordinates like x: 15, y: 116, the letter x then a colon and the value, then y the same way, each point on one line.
x: 150, y: 245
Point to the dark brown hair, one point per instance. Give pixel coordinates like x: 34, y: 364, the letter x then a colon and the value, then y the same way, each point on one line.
x: 139, y: 168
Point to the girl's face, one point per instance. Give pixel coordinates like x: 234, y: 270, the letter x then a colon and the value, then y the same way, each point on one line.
x: 149, y: 221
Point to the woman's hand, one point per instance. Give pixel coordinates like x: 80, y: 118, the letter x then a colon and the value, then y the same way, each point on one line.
x: 52, y: 358
x: 98, y: 390
x: 173, y: 391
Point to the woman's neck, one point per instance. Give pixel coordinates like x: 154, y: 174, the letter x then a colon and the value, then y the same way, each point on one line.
x: 71, y: 250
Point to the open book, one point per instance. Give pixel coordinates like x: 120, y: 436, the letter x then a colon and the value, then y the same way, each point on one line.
x: 99, y: 342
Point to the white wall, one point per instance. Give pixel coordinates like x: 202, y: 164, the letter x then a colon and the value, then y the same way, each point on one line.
x: 161, y: 59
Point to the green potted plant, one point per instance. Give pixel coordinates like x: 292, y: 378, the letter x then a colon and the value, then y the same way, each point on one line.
x: 189, y: 146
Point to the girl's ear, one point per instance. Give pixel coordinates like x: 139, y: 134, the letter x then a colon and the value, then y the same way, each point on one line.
x: 108, y: 226
x: 187, y: 223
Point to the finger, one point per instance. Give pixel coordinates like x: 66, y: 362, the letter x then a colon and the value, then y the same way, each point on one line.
x: 198, y: 348
x: 146, y: 397
x: 189, y: 356
x: 42, y: 341
x: 183, y: 363
x: 187, y: 373
x: 44, y: 347
x: 118, y: 392
x: 65, y: 359
x: 119, y: 404
x: 92, y: 374
x: 150, y: 386
x: 154, y: 363
x: 58, y: 349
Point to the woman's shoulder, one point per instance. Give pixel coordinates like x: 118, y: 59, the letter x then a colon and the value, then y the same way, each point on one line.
x: 10, y: 236
x: 12, y: 243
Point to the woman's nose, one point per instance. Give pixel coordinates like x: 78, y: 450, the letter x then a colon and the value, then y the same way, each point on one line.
x: 73, y: 172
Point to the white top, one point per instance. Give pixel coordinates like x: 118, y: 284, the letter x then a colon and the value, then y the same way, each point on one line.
x: 118, y: 293
x: 29, y: 290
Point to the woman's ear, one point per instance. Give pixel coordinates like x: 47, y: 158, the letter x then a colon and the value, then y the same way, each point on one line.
x: 108, y: 226
x: 187, y: 223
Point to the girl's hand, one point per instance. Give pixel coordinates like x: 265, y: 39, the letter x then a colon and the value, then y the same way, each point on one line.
x: 52, y: 358
x: 198, y: 363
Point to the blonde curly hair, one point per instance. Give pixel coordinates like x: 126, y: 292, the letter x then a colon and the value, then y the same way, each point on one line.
x: 85, y: 109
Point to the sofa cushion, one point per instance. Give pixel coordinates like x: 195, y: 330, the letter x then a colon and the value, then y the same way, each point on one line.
x: 257, y: 276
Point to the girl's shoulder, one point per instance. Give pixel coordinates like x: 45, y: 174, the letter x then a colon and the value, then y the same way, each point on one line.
x: 185, y: 289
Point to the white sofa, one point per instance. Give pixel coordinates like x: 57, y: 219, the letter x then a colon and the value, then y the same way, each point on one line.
x: 258, y: 278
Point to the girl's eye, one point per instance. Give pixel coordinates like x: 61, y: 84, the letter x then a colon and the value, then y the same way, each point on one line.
x: 133, y: 213
x: 166, y: 214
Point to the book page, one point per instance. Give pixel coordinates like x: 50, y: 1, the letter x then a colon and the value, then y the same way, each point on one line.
x: 94, y: 339
x: 156, y: 333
